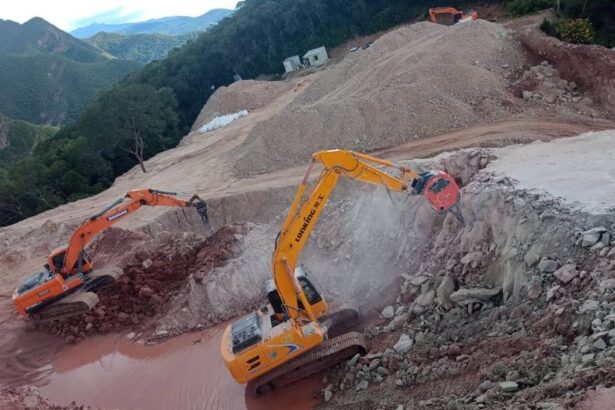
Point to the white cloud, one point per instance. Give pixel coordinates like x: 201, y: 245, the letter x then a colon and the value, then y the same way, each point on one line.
x: 68, y: 14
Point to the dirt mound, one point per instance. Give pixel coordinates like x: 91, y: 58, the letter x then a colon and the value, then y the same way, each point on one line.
x: 419, y: 80
x: 242, y: 95
x: 151, y: 279
x: 590, y: 66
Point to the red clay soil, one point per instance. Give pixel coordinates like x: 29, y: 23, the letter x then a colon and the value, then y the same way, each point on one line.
x: 589, y: 65
x: 152, y: 277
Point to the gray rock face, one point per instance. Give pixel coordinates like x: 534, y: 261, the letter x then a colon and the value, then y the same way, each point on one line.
x: 547, y: 265
x: 509, y: 387
x: 328, y: 395
x: 566, y: 273
x: 404, y: 344
x: 388, y: 312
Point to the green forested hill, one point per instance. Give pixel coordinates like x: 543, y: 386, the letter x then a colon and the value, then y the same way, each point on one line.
x: 18, y: 138
x: 173, y: 26
x: 38, y: 37
x: 49, y: 77
x: 142, y: 48
x: 159, y: 103
x: 52, y: 89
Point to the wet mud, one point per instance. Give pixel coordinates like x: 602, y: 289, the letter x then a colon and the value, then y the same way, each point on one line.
x: 183, y: 373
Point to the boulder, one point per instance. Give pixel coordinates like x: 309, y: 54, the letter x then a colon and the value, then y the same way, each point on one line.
x: 531, y: 259
x: 509, y: 387
x: 566, y: 273
x: 534, y: 290
x: 589, y: 306
x: 465, y: 296
x: 607, y: 284
x: 362, y: 385
x: 547, y: 266
x: 552, y: 292
x: 448, y: 285
x: 404, y: 344
x: 388, y: 312
x: 426, y: 299
x: 592, y: 236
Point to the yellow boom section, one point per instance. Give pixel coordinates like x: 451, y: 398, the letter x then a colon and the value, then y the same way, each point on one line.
x: 303, y: 214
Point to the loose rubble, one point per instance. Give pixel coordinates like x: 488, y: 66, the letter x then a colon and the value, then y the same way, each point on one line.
x: 523, y: 317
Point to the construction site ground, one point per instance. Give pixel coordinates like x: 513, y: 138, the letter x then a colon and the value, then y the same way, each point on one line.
x: 515, y: 309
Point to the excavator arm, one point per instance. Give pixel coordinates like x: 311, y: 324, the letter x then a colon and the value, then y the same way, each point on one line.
x: 73, y: 259
x: 439, y: 189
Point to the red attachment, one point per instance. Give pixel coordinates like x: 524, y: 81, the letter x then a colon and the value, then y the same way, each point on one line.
x: 442, y: 192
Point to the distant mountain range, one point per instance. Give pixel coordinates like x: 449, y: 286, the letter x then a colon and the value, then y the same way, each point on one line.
x: 173, y: 26
x: 141, y: 48
x: 47, y: 76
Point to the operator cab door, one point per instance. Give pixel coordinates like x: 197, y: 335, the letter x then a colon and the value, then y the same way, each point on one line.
x: 312, y: 292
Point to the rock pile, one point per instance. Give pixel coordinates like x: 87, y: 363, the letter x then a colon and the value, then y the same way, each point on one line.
x: 507, y: 322
x: 150, y: 281
x: 543, y: 82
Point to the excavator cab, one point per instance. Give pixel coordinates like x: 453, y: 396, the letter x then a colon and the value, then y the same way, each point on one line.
x: 309, y: 285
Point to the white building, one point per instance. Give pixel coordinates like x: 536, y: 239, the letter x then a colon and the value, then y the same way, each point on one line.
x: 292, y: 64
x: 316, y: 57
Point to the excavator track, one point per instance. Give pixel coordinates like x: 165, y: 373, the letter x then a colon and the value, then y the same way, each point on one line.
x: 79, y: 302
x: 328, y: 354
x: 342, y: 316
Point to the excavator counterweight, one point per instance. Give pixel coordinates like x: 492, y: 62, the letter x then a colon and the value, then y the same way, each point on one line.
x: 298, y: 332
x: 64, y: 287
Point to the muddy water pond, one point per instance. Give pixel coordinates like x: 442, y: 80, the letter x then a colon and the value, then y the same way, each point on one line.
x: 186, y: 372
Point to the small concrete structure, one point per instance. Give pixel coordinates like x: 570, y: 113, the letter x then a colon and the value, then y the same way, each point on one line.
x: 316, y: 57
x: 292, y: 64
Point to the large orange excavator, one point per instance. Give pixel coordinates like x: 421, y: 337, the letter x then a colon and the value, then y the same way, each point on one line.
x: 64, y: 287
x: 298, y: 332
x: 449, y: 16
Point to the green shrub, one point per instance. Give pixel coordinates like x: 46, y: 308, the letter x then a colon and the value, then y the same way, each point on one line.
x: 578, y: 31
x: 521, y: 7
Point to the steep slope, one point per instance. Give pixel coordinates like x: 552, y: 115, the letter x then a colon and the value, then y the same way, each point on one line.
x: 142, y: 48
x: 17, y: 138
x: 37, y: 36
x: 175, y: 25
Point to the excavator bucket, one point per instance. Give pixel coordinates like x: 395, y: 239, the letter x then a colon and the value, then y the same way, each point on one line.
x: 201, y: 208
x: 442, y: 192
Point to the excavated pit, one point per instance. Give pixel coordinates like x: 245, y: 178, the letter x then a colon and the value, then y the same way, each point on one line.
x: 505, y: 310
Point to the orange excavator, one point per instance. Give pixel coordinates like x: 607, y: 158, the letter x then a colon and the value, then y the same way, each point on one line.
x: 299, y: 333
x: 64, y: 287
x: 449, y: 16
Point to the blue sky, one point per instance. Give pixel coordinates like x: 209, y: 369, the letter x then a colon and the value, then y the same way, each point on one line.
x: 69, y: 14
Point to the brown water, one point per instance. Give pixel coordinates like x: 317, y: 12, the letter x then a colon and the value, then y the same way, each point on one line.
x: 183, y: 373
